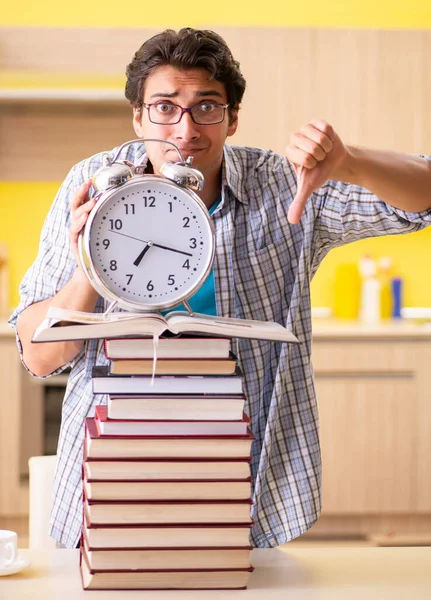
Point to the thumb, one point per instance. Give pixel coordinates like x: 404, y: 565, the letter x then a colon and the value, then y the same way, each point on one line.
x: 303, y: 191
x: 308, y: 180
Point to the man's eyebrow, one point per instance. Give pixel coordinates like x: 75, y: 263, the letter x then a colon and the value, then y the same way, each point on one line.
x: 209, y: 93
x: 164, y: 95
x: 200, y: 94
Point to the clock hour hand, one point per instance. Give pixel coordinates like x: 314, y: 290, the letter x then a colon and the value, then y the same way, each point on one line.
x: 137, y: 262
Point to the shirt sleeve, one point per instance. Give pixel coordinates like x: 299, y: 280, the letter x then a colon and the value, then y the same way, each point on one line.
x: 55, y: 262
x: 346, y: 213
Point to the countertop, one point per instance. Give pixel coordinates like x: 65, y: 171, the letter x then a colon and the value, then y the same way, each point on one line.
x: 339, y: 328
x: 298, y: 573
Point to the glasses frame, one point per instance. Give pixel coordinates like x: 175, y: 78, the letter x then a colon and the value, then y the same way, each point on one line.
x: 185, y: 110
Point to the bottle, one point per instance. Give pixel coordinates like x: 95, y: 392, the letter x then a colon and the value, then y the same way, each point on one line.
x: 385, y: 268
x: 347, y: 290
x: 397, y: 301
x: 370, y: 291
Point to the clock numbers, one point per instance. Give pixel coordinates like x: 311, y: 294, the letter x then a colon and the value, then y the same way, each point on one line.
x: 115, y: 224
x: 149, y: 201
x: 153, y: 261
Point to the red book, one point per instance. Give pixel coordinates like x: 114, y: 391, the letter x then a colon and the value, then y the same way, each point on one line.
x: 126, y: 512
x: 106, y: 426
x: 163, y: 535
x: 166, y: 558
x: 164, y: 489
x: 158, y: 446
x: 158, y: 579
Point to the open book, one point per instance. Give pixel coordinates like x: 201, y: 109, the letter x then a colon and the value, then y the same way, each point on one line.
x: 62, y: 324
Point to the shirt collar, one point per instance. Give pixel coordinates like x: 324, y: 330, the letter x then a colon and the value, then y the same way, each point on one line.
x: 231, y: 175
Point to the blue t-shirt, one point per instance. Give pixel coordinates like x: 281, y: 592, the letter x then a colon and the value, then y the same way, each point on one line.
x: 203, y: 301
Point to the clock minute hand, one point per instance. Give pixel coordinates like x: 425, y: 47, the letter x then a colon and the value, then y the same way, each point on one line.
x: 137, y: 261
x: 152, y: 243
x: 172, y: 249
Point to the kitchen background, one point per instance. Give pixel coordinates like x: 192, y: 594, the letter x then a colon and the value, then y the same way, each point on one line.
x: 364, y: 67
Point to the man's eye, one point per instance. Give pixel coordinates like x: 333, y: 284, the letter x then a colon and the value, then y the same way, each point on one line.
x: 207, y: 107
x: 165, y: 108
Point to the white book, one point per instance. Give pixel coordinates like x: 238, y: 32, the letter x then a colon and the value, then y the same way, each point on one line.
x: 167, y: 407
x: 62, y: 324
x: 184, y: 347
x: 104, y: 383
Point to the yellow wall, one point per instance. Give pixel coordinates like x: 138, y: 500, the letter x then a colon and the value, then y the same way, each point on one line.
x: 291, y: 13
x: 23, y: 207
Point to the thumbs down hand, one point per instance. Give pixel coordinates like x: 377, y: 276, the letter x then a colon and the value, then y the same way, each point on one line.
x: 317, y: 153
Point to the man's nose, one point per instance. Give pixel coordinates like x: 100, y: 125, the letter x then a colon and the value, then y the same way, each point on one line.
x: 187, y: 129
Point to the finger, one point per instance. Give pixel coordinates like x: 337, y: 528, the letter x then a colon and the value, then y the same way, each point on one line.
x: 309, y: 146
x: 308, y: 181
x: 84, y: 209
x: 81, y: 195
x: 323, y: 127
x: 303, y: 192
x: 300, y: 158
x: 317, y: 136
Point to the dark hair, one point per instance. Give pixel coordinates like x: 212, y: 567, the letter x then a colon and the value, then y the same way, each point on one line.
x: 187, y: 49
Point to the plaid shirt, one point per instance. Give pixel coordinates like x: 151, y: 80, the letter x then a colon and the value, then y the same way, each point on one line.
x: 263, y: 270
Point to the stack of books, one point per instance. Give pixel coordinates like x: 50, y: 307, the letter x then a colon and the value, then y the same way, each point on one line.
x: 166, y: 470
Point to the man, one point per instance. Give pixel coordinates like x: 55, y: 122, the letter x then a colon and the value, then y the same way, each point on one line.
x: 275, y: 220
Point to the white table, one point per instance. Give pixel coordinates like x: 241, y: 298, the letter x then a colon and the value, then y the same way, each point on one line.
x: 298, y: 573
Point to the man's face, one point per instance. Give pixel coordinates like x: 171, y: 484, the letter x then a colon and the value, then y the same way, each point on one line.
x: 203, y: 142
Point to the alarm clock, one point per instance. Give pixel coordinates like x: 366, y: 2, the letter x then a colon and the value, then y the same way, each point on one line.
x: 148, y: 243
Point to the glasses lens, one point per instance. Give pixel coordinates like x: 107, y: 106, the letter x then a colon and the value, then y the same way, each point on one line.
x: 208, y: 113
x: 165, y: 113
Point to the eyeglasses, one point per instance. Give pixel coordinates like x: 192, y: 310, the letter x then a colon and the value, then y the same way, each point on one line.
x: 205, y: 113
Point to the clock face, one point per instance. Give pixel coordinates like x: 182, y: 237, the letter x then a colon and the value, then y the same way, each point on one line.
x: 150, y: 244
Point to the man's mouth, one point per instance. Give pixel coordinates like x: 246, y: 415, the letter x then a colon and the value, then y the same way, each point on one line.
x: 186, y: 151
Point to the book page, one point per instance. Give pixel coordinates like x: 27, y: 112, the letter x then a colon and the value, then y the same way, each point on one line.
x: 76, y: 316
x: 184, y: 322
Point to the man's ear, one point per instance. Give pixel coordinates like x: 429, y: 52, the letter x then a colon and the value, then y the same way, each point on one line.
x: 137, y: 125
x: 233, y: 122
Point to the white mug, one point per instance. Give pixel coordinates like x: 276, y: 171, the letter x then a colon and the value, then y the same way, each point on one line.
x: 8, y: 548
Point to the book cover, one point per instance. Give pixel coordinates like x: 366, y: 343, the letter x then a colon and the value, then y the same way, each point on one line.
x: 184, y: 346
x: 168, y: 490
x: 109, y: 426
x: 198, y: 407
x: 165, y: 446
x: 104, y: 383
x: 63, y: 324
